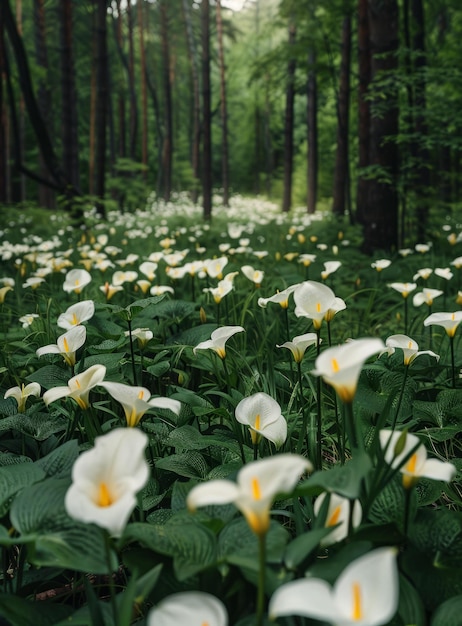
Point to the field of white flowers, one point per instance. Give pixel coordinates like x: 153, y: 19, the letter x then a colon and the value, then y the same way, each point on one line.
x: 240, y: 422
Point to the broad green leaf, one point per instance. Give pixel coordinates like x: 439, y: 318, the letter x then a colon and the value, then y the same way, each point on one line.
x: 59, y: 540
x: 389, y: 504
x: 23, y: 612
x: 190, y: 464
x: 237, y: 539
x: 50, y: 376
x: 14, y: 478
x: 439, y: 533
x: 40, y: 426
x: 300, y: 548
x: 59, y: 462
x: 345, y: 480
x: 448, y: 613
x: 410, y: 607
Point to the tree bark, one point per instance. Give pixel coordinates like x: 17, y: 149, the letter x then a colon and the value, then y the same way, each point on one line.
x: 381, y: 221
x: 69, y: 127
x: 289, y: 124
x: 167, y: 151
x: 122, y: 131
x: 364, y: 75
x: 144, y: 100
x: 223, y: 108
x: 206, y: 113
x: 312, y: 126
x: 342, y: 173
x: 101, y: 102
x: 133, y: 117
x: 196, y: 105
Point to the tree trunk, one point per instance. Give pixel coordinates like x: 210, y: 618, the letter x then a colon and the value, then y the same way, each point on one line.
x: 342, y: 174
x: 223, y: 108
x: 122, y: 143
x: 196, y: 105
x: 3, y: 116
x: 69, y: 128
x: 101, y: 102
x: 206, y: 113
x: 144, y: 100
x: 289, y: 124
x: 381, y: 221
x: 364, y: 113
x: 46, y: 194
x: 19, y: 187
x: 167, y: 151
x: 312, y: 125
x: 133, y: 118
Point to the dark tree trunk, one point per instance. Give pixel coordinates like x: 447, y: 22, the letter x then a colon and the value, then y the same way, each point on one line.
x: 206, y: 113
x: 3, y: 117
x: 223, y: 109
x: 341, y: 200
x: 364, y: 74
x: 46, y: 194
x: 289, y: 124
x: 167, y: 151
x: 312, y: 125
x: 101, y: 101
x: 69, y: 128
x: 381, y: 220
x: 133, y: 117
x: 196, y: 106
x: 19, y: 179
x: 144, y: 100
x: 122, y: 144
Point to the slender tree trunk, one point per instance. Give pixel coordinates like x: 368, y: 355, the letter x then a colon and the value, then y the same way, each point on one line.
x: 206, y: 113
x: 122, y: 147
x: 101, y: 101
x: 3, y: 117
x: 342, y: 174
x: 364, y: 72
x: 92, y: 129
x: 223, y: 108
x: 381, y: 221
x: 144, y: 99
x: 133, y: 117
x: 312, y: 125
x: 167, y: 152
x: 289, y: 124
x: 196, y: 108
x: 269, y: 160
x: 46, y: 194
x: 69, y: 127
x: 20, y: 193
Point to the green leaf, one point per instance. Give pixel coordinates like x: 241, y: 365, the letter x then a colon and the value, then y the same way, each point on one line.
x: 389, y: 504
x: 410, y: 607
x: 448, y: 613
x: 439, y: 533
x: 190, y: 464
x: 176, y: 310
x: 237, y: 539
x: 40, y: 426
x: 344, y: 480
x: 50, y: 376
x: 21, y: 612
x: 59, y: 462
x: 191, y: 545
x: 14, y: 478
x: 300, y: 548
x: 58, y: 540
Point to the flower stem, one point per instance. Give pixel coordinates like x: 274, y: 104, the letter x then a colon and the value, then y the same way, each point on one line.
x: 356, y: 443
x: 453, y: 368
x: 400, y: 399
x: 261, y: 578
x: 132, y: 352
x: 115, y: 611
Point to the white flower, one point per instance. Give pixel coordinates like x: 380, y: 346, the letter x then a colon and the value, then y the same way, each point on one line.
x: 76, y: 314
x: 262, y: 414
x: 189, y: 608
x: 78, y: 387
x: 338, y: 514
x: 381, y: 264
x: 76, y: 280
x: 426, y: 297
x: 20, y: 394
x: 329, y: 268
x: 299, y: 344
x: 66, y: 345
x: 281, y: 297
x: 218, y: 339
x: 106, y: 479
x: 313, y: 300
x: 444, y: 272
x: 409, y: 347
x: 403, y: 288
x: 255, y: 276
x: 449, y: 321
x: 366, y: 593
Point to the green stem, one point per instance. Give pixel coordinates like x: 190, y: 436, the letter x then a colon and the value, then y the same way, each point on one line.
x: 407, y: 509
x: 318, y: 408
x: 304, y: 430
x: 453, y: 368
x: 356, y: 443
x: 261, y: 578
x: 405, y: 315
x: 115, y: 611
x: 400, y: 399
x: 132, y: 352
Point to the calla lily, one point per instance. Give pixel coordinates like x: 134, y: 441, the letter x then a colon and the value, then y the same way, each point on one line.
x: 3, y: 291
x: 142, y: 335
x: 148, y: 268
x: 329, y: 268
x: 189, y: 608
x: 223, y: 288
x: 299, y: 345
x: 67, y: 344
x: 338, y: 515
x: 381, y: 264
x: 337, y: 306
x: 78, y: 387
x: 215, y: 267
x: 106, y: 479
x: 403, y: 288
x: 449, y: 321
x: 416, y: 465
x: 255, y: 276
x: 218, y: 339
x: 313, y: 300
x: 426, y: 296
x: 423, y: 273
x: 281, y: 298
x: 20, y: 394
x: 137, y: 400
x: 409, y: 347
x: 444, y: 272
x: 28, y: 319
x: 262, y: 414
x: 76, y: 280
x: 340, y: 366
x: 76, y: 314
x: 365, y: 593
x: 257, y: 485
